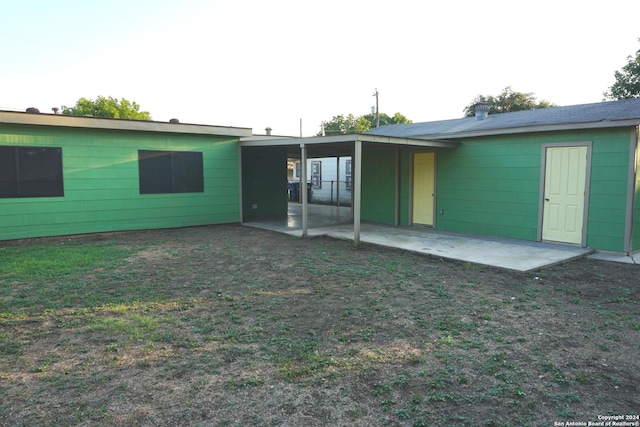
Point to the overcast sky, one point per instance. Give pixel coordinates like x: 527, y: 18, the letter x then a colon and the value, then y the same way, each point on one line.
x: 258, y: 63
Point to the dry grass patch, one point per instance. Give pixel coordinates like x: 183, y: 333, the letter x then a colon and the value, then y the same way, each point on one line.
x: 230, y: 325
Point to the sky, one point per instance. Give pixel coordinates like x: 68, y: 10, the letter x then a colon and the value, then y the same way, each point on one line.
x: 291, y: 64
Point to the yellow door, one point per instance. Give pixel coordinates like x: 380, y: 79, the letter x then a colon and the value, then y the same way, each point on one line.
x: 423, y: 187
x: 564, y: 186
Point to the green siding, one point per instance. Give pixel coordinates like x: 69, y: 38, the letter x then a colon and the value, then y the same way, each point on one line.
x: 405, y: 185
x: 608, y: 193
x: 492, y: 185
x: 489, y: 186
x: 379, y: 185
x: 101, y: 190
x: 264, y: 182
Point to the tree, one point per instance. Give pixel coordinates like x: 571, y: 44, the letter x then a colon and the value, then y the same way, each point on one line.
x: 342, y: 125
x: 107, y: 107
x: 506, y: 102
x: 627, y: 84
x: 385, y: 119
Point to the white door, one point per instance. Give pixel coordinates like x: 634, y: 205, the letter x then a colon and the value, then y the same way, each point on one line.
x: 564, y: 187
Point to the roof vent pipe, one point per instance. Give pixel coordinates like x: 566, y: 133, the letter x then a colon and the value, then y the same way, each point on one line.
x: 268, y: 130
x: 482, y: 110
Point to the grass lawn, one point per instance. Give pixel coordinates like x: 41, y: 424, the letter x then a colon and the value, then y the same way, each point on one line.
x: 229, y: 325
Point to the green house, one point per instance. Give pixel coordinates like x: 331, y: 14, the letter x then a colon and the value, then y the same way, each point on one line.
x: 64, y: 175
x: 562, y: 174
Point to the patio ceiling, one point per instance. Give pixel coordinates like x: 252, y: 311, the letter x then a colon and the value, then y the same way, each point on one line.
x: 338, y: 145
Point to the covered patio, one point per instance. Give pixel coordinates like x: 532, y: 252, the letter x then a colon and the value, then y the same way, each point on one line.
x: 264, y: 176
x: 327, y: 146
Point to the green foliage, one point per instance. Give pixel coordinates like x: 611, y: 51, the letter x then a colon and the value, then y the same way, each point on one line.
x: 627, y: 84
x: 107, y: 107
x: 385, y: 119
x: 507, y: 101
x: 342, y: 125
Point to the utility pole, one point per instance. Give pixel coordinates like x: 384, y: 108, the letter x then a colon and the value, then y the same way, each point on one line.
x: 377, y: 109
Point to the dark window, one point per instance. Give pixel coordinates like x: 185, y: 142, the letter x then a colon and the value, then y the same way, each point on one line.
x: 170, y: 172
x: 31, y: 172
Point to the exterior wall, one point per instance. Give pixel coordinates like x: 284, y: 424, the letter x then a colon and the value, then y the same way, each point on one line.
x: 491, y: 186
x: 101, y: 188
x: 405, y: 186
x: 328, y: 192
x: 264, y: 182
x: 378, y: 199
x: 609, y: 186
x: 379, y: 176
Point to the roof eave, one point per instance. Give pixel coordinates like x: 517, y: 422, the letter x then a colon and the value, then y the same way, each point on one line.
x: 59, y: 120
x: 536, y: 128
x: 376, y: 139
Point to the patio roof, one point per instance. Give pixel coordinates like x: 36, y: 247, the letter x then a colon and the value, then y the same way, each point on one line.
x: 338, y: 145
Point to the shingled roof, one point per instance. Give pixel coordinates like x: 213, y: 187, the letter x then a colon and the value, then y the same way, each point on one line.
x: 598, y: 115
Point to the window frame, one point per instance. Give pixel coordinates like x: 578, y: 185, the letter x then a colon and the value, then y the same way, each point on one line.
x: 170, y: 172
x: 316, y: 174
x: 347, y: 174
x: 31, y: 171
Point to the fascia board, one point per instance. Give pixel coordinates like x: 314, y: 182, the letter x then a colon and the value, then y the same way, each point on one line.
x: 117, y: 124
x: 532, y: 129
x: 263, y: 142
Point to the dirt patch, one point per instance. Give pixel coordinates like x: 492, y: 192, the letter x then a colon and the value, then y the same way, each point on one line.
x: 230, y: 325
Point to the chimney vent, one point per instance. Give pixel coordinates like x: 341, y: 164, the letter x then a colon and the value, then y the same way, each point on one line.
x: 55, y: 110
x: 268, y: 130
x: 174, y: 121
x: 482, y: 110
x: 33, y: 110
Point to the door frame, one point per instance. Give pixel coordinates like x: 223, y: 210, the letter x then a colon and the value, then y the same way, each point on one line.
x: 435, y: 186
x: 587, y: 185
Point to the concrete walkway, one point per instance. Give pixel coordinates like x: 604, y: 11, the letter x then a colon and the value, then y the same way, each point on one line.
x: 511, y: 254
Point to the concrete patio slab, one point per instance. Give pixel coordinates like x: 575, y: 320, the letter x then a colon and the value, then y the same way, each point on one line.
x: 616, y: 257
x: 510, y: 254
x: 504, y: 253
